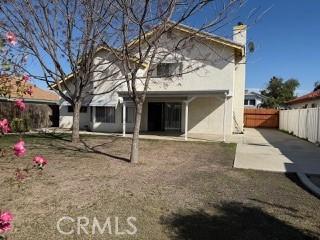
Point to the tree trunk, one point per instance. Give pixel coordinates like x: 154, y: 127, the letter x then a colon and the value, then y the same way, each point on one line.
x: 134, y: 157
x: 76, y: 122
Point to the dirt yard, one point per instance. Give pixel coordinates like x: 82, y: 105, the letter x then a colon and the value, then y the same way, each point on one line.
x: 180, y: 190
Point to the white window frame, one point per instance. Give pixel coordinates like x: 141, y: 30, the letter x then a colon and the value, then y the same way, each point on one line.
x: 107, y: 119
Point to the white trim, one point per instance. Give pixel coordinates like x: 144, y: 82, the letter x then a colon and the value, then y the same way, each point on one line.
x: 123, y: 119
x: 186, y: 116
x: 224, y: 117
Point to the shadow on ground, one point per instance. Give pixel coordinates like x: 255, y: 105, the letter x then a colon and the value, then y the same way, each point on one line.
x: 62, y: 142
x: 232, y: 220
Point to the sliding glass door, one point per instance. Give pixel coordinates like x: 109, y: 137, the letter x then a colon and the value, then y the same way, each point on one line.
x: 172, y: 116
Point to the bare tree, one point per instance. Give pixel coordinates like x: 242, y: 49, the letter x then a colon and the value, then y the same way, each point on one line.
x: 61, y: 36
x: 143, y: 28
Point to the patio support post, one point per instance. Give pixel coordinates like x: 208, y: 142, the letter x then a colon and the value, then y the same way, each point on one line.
x: 186, y: 117
x: 123, y: 119
x: 224, y: 117
x: 186, y: 120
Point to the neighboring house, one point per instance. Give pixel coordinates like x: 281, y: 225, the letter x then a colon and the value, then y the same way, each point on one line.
x: 253, y: 99
x: 208, y: 100
x: 39, y: 97
x: 310, y: 100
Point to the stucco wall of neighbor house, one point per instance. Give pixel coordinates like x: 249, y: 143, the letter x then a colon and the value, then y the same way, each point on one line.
x: 253, y: 97
x: 66, y: 118
x: 302, y: 105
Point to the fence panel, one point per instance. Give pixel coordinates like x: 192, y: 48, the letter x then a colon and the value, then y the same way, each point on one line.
x: 304, y: 123
x: 265, y: 118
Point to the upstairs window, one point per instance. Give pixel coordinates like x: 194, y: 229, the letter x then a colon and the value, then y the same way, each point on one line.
x: 105, y: 114
x: 169, y: 69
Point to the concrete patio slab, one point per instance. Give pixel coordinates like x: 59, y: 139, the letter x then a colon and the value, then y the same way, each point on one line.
x: 272, y: 150
x: 173, y: 136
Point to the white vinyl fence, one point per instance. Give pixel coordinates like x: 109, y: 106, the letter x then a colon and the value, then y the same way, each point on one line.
x: 303, y: 123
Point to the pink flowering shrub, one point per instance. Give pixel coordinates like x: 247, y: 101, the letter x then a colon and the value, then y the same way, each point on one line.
x: 19, y: 148
x: 25, y: 78
x: 20, y: 105
x: 4, y: 126
x: 29, y: 90
x: 39, y: 162
x: 11, y: 38
x: 6, y: 219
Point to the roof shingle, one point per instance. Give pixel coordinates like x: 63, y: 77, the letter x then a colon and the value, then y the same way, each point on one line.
x: 305, y: 98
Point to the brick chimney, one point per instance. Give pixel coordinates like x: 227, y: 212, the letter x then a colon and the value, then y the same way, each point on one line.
x: 240, y: 33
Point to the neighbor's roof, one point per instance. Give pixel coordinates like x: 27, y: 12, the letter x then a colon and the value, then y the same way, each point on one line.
x: 306, y: 98
x: 38, y: 95
x: 255, y: 94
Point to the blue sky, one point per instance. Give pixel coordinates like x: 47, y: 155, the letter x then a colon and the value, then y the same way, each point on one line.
x: 287, y: 41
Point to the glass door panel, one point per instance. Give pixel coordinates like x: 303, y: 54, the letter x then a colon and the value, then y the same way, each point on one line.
x: 172, y: 116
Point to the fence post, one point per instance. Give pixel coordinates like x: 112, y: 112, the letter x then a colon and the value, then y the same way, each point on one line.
x: 299, y: 112
x: 307, y: 118
x: 288, y: 121
x: 318, y: 125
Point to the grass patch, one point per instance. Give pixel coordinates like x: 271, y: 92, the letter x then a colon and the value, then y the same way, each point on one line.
x: 180, y: 190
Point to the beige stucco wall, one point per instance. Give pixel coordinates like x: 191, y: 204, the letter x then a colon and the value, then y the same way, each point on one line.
x: 65, y: 118
x: 215, y: 70
x: 206, y: 115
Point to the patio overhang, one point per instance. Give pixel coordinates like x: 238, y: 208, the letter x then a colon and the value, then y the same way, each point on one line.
x: 184, y: 93
x: 185, y: 96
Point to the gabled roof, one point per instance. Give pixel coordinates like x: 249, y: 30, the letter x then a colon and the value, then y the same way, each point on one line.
x: 211, y: 38
x: 255, y: 94
x: 306, y: 98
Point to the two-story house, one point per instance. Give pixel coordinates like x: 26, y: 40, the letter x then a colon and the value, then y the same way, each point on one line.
x: 207, y: 100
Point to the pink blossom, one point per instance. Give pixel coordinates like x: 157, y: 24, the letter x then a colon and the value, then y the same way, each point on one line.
x: 5, y: 222
x: 40, y: 161
x: 6, y: 217
x: 29, y: 90
x: 20, y: 104
x: 25, y: 78
x: 11, y: 38
x: 4, y: 126
x: 19, y: 149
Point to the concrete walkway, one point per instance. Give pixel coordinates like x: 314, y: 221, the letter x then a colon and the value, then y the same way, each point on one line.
x: 272, y: 150
x: 173, y: 136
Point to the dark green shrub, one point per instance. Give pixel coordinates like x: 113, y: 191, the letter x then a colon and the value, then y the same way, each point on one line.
x: 19, y: 125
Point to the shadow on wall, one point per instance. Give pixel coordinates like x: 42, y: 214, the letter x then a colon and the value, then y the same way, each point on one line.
x: 232, y: 221
x: 200, y: 109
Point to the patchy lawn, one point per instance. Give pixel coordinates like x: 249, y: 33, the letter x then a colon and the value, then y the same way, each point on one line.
x: 180, y: 190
